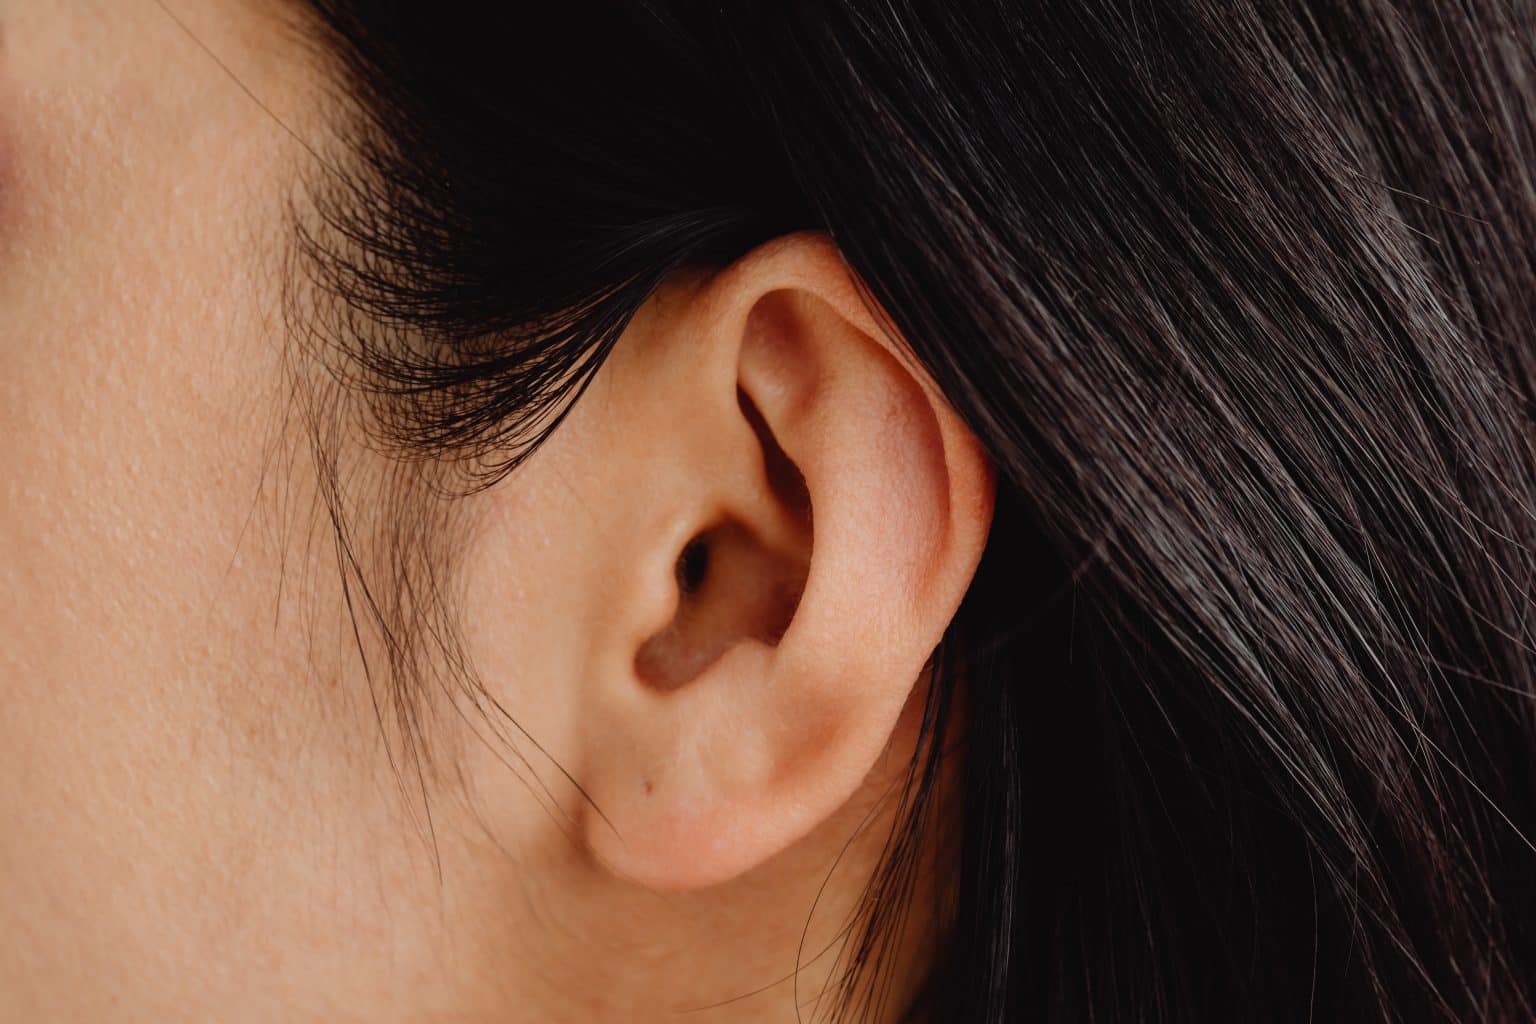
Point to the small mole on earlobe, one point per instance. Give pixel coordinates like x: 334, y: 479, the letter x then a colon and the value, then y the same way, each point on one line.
x: 648, y: 787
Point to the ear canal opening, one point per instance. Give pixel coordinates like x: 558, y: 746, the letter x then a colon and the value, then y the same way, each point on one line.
x: 732, y: 583
x: 692, y: 565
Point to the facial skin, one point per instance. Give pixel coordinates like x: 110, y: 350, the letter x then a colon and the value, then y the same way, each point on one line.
x: 206, y: 818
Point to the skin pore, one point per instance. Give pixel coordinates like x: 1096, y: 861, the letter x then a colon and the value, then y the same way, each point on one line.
x: 207, y: 815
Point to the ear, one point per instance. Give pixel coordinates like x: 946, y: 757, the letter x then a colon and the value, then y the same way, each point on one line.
x: 802, y: 514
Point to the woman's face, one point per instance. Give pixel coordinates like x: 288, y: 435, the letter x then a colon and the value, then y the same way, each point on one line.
x: 217, y: 804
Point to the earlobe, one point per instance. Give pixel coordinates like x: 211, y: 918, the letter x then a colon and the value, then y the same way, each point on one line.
x: 836, y: 523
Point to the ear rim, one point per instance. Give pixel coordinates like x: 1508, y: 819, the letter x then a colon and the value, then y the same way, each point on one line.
x: 706, y: 838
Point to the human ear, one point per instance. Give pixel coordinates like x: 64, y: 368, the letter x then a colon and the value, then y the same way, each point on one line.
x: 796, y: 514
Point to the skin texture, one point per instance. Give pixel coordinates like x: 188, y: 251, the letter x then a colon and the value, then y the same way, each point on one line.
x: 204, y: 817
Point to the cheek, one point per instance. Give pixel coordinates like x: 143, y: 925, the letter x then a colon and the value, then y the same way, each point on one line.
x: 7, y: 162
x: 138, y: 566
x: 9, y: 100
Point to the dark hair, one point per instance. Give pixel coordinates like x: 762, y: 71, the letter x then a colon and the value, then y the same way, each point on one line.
x: 1240, y: 295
